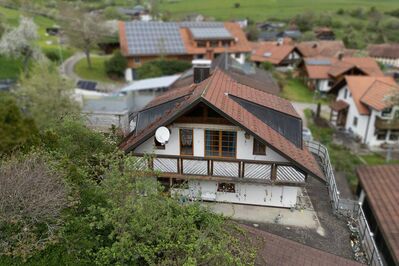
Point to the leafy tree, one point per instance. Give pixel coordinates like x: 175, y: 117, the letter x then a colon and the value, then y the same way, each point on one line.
x: 267, y: 66
x: 305, y: 21
x: 116, y: 65
x: 252, y: 32
x: 139, y: 226
x: 45, y: 95
x: 308, y: 36
x: 84, y: 30
x: 32, y: 197
x: 16, y: 131
x: 20, y: 42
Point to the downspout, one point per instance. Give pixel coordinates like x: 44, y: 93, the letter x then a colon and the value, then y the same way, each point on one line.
x: 367, y: 128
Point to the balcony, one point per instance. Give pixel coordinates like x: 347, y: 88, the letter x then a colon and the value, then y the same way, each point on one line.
x: 224, y: 169
x: 381, y: 123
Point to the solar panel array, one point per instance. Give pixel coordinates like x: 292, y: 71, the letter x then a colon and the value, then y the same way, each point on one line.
x: 149, y: 38
x: 218, y: 33
x: 86, y: 85
x: 318, y: 62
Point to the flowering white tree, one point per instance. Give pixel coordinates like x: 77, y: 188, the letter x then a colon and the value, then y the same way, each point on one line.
x: 20, y: 42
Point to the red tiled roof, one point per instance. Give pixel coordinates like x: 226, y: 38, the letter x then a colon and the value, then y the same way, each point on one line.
x: 338, y: 67
x: 321, y: 48
x: 215, y: 91
x: 278, y: 52
x: 370, y: 91
x: 385, y: 50
x: 275, y: 250
x: 381, y: 184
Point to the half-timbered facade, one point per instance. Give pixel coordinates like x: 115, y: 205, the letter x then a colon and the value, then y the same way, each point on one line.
x: 228, y: 143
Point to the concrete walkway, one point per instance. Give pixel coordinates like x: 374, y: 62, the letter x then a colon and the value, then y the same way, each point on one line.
x: 261, y: 214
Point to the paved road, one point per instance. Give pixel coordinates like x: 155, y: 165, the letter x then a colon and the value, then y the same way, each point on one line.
x: 67, y: 69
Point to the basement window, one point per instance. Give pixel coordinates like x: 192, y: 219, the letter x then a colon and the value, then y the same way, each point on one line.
x: 259, y: 148
x: 227, y: 187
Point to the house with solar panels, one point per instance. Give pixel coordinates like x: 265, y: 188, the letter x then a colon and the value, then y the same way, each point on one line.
x: 145, y: 41
x: 217, y: 139
x: 321, y: 73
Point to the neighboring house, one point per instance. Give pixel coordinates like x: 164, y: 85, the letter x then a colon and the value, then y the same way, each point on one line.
x: 378, y: 193
x: 321, y: 73
x: 136, y: 13
x: 363, y: 108
x: 322, y: 48
x: 139, y: 93
x: 142, y: 42
x: 105, y: 113
x: 293, y: 34
x: 195, y: 17
x: 245, y: 74
x: 267, y: 36
x: 281, y: 53
x: 270, y: 26
x: 388, y: 54
x: 228, y: 143
x: 324, y: 34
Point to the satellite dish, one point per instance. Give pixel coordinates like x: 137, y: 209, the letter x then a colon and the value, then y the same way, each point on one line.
x: 162, y: 135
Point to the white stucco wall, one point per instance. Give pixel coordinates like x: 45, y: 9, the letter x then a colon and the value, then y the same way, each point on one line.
x: 245, y: 193
x: 388, y: 61
x: 322, y: 85
x: 244, y: 146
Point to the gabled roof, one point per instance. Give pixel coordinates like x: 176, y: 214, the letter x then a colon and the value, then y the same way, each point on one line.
x: 276, y: 250
x: 331, y: 67
x: 385, y: 50
x: 321, y: 48
x: 219, y: 92
x: 177, y: 38
x: 381, y: 184
x: 272, y: 52
x: 370, y: 92
x: 245, y: 74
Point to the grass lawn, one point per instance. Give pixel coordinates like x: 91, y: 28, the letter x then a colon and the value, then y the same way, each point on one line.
x: 10, y: 68
x: 259, y: 10
x: 97, y: 73
x: 295, y: 90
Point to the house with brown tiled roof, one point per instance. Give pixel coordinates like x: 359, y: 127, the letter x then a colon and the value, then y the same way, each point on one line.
x: 225, y: 142
x: 145, y: 41
x: 321, y: 73
x: 363, y: 107
x: 281, y: 53
x: 322, y: 48
x: 378, y: 194
x: 386, y: 53
x: 324, y: 33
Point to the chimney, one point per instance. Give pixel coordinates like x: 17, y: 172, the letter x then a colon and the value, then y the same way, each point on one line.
x: 202, y: 69
x: 314, y: 45
x: 209, y: 54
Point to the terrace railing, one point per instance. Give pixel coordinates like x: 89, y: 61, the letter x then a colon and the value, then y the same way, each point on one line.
x: 225, y: 168
x: 348, y: 207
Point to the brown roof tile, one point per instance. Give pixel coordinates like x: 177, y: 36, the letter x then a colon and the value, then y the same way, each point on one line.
x: 385, y: 50
x: 370, y: 91
x: 215, y: 91
x: 381, y: 184
x: 278, y: 52
x: 321, y: 48
x: 276, y: 250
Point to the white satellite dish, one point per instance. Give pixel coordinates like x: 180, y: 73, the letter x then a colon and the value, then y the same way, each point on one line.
x: 162, y: 135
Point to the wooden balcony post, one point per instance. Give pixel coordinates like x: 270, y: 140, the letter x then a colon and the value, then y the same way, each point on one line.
x: 274, y: 172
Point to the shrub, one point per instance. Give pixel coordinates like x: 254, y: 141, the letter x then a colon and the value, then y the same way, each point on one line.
x: 32, y: 196
x: 162, y: 67
x: 340, y: 11
x: 237, y: 5
x: 267, y: 66
x: 116, y: 65
x: 52, y: 55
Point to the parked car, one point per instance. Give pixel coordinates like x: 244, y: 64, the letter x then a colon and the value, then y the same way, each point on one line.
x: 307, y: 134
